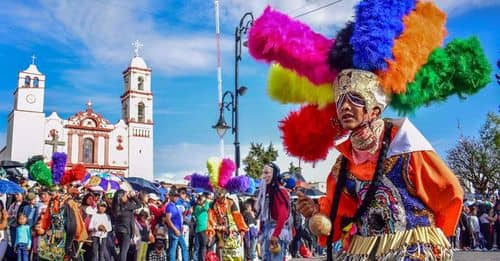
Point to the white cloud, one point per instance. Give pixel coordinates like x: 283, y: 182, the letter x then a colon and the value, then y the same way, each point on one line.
x: 335, y: 15
x: 101, y: 32
x: 321, y: 20
x: 456, y: 7
x: 178, y: 160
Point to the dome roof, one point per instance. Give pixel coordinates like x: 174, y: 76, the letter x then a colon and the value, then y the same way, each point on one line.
x: 32, y: 69
x: 138, y: 62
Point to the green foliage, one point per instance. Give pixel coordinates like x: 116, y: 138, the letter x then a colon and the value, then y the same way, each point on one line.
x: 257, y: 157
x: 477, y: 160
x: 294, y: 169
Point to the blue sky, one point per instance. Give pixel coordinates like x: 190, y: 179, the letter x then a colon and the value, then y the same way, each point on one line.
x: 83, y: 46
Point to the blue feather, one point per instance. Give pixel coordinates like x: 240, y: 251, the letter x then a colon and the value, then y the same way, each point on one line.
x: 378, y: 23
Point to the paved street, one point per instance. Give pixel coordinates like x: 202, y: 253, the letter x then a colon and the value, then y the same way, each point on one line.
x: 459, y: 256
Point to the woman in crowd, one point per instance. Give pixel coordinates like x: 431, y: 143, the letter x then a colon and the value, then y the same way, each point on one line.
x: 273, y: 206
x: 124, y: 205
x: 486, y: 220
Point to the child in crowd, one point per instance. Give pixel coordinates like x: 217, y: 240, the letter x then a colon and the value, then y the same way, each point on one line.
x: 99, y: 226
x: 250, y: 238
x: 22, y: 244
x: 143, y: 236
x: 161, y: 230
x: 158, y: 253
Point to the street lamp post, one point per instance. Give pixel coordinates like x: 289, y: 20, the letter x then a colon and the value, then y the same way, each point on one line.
x: 221, y: 127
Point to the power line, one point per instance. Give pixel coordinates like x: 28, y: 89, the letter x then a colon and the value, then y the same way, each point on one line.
x: 317, y: 9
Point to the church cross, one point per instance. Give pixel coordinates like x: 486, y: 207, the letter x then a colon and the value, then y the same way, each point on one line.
x: 54, y: 141
x: 33, y: 57
x: 136, y: 46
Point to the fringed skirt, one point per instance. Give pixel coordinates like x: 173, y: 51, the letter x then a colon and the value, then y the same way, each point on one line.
x: 422, y: 243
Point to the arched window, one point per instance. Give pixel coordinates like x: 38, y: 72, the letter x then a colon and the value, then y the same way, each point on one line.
x: 88, y: 150
x: 140, y: 83
x: 35, y: 82
x: 125, y: 111
x: 27, y: 81
x: 140, y: 112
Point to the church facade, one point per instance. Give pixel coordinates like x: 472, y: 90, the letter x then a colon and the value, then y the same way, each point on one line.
x: 124, y: 148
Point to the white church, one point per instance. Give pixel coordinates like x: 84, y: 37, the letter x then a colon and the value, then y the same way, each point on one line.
x: 124, y: 148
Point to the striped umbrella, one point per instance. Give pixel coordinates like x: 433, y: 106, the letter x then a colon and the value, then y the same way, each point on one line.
x: 106, y: 182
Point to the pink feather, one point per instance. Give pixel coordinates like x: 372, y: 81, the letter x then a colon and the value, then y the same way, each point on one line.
x: 227, y: 167
x: 275, y: 37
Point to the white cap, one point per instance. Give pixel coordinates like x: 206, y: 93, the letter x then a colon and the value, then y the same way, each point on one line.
x: 153, y: 196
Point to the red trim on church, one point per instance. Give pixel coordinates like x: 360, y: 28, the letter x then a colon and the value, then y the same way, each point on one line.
x: 97, y: 166
x: 80, y: 117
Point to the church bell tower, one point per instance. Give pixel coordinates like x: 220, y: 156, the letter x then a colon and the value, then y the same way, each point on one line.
x: 137, y: 112
x: 25, y: 133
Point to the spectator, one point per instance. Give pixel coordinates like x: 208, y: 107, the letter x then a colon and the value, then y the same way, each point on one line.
x: 99, y: 227
x: 22, y: 245
x: 465, y: 229
x: 4, y: 216
x: 174, y: 223
x: 160, y: 231
x: 30, y: 210
x: 486, y: 221
x: 184, y: 205
x: 124, y: 205
x: 250, y: 239
x: 201, y: 217
x: 474, y: 223
x: 13, y: 213
x: 143, y: 235
x: 158, y: 253
x: 156, y: 209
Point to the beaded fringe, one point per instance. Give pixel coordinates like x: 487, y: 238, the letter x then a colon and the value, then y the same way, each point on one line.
x: 422, y: 243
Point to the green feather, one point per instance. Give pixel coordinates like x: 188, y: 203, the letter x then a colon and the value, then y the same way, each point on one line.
x: 40, y: 173
x: 460, y: 68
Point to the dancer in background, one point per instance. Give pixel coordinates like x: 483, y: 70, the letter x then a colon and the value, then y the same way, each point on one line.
x: 273, y: 208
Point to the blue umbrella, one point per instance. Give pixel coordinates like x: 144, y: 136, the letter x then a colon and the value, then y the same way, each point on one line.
x: 140, y: 184
x: 9, y: 187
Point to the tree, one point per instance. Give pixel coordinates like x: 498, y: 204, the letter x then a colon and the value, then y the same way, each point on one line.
x: 294, y: 169
x: 477, y: 160
x: 257, y: 157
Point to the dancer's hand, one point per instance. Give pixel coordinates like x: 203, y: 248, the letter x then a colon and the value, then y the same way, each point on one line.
x: 306, y: 205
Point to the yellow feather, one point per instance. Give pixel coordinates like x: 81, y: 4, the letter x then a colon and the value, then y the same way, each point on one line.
x: 286, y: 86
x: 213, y: 166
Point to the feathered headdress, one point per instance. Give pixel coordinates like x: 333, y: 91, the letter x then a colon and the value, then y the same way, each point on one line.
x: 39, y: 171
x: 393, y: 45
x: 58, y: 166
x: 220, y: 176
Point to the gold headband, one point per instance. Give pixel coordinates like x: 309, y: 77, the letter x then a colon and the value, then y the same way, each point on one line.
x: 364, y: 83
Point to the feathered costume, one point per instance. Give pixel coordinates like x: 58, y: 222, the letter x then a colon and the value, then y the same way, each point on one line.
x: 60, y: 223
x: 383, y: 209
x: 225, y: 222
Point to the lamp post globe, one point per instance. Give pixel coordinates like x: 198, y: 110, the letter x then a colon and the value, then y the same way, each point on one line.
x: 221, y: 126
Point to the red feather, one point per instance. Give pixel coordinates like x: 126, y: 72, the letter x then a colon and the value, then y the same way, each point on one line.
x: 76, y: 173
x: 309, y: 133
